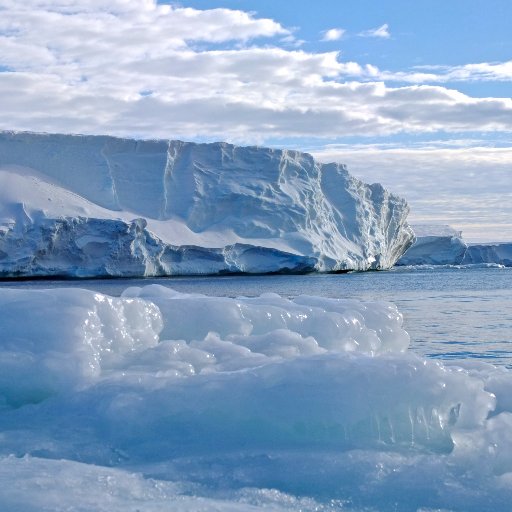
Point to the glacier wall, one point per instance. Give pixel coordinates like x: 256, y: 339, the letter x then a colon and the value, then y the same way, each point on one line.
x: 99, y: 206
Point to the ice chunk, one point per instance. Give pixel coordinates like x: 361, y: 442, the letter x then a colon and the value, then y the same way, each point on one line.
x: 443, y: 245
x: 498, y: 253
x: 239, y: 403
x: 57, y: 340
x: 328, y: 324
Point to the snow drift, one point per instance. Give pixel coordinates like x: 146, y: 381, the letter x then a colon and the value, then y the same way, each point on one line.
x: 103, y: 206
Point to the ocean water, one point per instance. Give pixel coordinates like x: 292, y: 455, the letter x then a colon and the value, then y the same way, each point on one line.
x: 302, y: 393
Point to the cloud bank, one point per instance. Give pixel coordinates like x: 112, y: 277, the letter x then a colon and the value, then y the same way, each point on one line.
x: 139, y: 68
x: 136, y: 68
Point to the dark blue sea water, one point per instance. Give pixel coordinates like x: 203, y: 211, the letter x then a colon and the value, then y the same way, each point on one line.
x: 450, y: 313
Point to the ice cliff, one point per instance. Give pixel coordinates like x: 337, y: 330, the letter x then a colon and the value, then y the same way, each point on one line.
x: 103, y: 206
x: 443, y: 245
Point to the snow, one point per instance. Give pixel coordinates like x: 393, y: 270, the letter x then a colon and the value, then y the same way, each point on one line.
x: 443, y: 245
x: 159, y: 400
x: 98, y: 206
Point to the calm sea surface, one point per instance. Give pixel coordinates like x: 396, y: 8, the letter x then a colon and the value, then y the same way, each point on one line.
x: 449, y: 313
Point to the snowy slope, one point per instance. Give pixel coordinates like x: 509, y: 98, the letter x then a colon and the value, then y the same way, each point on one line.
x: 96, y: 205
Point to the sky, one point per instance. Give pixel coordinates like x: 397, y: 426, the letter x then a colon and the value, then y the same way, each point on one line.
x: 415, y: 95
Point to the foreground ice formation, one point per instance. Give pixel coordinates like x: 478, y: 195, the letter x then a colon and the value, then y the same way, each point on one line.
x: 158, y: 400
x: 102, y: 206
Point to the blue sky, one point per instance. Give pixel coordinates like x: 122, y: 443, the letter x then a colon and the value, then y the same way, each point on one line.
x: 416, y: 95
x: 422, y: 32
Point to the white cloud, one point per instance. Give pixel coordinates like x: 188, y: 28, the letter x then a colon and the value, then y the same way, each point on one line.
x: 382, y: 31
x: 136, y: 68
x: 333, y: 34
x: 483, y: 71
x: 131, y: 67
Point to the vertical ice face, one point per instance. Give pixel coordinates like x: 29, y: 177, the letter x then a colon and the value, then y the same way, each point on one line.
x: 282, y: 203
x: 443, y: 245
x: 263, y: 193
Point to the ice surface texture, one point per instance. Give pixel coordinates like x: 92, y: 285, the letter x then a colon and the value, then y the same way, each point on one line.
x: 166, y: 401
x: 93, y: 206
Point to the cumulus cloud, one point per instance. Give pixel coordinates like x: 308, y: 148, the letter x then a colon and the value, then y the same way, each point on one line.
x: 138, y: 68
x: 134, y: 67
x: 382, y: 31
x: 333, y: 34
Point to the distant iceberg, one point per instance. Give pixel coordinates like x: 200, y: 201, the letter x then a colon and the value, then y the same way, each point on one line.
x: 498, y: 253
x: 443, y: 245
x: 89, y: 206
x: 435, y: 245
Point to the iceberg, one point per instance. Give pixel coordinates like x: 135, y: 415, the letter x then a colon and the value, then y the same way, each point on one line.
x: 443, y: 245
x: 498, y: 253
x: 435, y: 245
x: 90, y: 206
